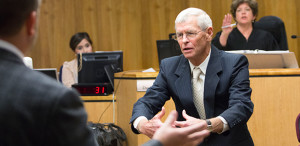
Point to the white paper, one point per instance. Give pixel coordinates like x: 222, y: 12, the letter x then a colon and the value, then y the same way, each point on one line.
x: 143, y: 85
x: 149, y: 70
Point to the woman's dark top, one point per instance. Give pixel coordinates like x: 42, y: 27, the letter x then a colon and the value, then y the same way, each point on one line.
x: 258, y: 39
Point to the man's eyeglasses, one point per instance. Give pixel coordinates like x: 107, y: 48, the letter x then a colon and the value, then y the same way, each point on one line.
x: 188, y: 35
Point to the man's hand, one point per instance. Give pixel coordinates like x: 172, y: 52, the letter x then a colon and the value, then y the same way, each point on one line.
x: 217, y: 123
x: 189, y: 120
x: 169, y: 135
x: 149, y: 127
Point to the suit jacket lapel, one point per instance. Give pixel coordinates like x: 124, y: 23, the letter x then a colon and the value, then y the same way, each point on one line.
x: 211, y: 81
x: 184, y: 88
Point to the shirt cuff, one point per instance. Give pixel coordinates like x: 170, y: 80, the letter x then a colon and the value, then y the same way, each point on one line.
x: 137, y: 121
x: 225, y: 124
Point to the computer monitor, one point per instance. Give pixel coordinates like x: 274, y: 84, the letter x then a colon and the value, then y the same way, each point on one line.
x: 51, y: 72
x: 167, y: 48
x: 99, y: 67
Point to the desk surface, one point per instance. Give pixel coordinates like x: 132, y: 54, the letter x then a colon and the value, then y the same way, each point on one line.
x: 253, y: 72
x: 98, y: 98
x: 135, y: 74
x: 274, y: 72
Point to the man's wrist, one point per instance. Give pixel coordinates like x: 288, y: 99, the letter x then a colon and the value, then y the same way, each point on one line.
x: 216, y: 125
x: 137, y: 121
x: 209, y: 125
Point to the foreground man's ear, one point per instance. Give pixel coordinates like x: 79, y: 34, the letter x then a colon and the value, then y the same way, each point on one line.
x: 31, y: 23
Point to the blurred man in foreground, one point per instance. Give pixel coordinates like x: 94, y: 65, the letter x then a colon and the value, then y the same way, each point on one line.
x: 35, y: 110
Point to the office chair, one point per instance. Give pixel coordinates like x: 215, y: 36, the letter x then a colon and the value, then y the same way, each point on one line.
x: 60, y: 74
x: 167, y: 48
x: 275, y: 26
x: 298, y: 127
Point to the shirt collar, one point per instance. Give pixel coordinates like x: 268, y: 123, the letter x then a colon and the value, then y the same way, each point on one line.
x: 203, y: 65
x: 11, y: 48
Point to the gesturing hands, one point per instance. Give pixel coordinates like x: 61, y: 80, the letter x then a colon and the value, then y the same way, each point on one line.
x: 149, y: 127
x: 189, y: 120
x: 226, y: 29
x: 226, y: 26
x: 169, y: 135
x: 191, y: 132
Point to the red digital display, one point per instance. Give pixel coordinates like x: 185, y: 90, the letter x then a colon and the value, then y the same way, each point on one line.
x: 103, y: 89
x: 92, y: 90
x: 97, y: 90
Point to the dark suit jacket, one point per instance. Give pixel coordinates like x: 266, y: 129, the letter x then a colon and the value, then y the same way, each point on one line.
x: 152, y: 142
x: 226, y: 93
x: 36, y: 110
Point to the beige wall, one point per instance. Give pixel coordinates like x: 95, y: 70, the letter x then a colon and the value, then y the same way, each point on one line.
x: 134, y: 26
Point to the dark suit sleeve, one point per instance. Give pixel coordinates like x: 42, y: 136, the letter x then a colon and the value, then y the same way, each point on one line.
x: 153, y: 143
x: 153, y: 100
x: 68, y: 122
x: 240, y: 105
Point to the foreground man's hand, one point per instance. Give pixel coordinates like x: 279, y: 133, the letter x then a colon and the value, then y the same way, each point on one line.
x: 169, y: 135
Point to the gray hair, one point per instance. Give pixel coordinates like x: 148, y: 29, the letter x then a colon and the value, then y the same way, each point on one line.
x: 203, y: 19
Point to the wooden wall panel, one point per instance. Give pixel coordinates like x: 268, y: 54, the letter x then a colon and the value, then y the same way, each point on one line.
x: 134, y: 26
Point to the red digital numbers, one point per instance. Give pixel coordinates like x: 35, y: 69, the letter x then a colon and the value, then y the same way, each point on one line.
x: 97, y: 90
x: 100, y: 90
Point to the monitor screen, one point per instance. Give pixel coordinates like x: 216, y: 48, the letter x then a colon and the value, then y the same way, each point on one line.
x: 51, y: 72
x: 99, y: 67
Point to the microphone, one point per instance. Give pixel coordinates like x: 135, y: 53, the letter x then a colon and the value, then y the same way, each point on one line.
x: 295, y: 36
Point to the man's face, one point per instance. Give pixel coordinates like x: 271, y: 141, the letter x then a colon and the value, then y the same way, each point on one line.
x: 194, y: 43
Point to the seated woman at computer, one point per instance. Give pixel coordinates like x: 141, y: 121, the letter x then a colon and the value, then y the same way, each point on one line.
x: 79, y: 43
x: 244, y: 36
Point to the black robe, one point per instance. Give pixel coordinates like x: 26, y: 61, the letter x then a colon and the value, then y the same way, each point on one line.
x: 258, y: 39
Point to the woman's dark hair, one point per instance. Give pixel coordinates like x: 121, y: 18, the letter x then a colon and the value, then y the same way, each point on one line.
x: 77, y: 38
x: 252, y: 4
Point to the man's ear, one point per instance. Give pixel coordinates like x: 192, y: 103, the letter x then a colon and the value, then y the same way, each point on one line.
x: 31, y: 23
x: 209, y: 33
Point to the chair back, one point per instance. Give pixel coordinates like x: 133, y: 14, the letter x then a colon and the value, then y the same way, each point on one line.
x: 60, y: 74
x: 275, y: 26
x: 298, y: 127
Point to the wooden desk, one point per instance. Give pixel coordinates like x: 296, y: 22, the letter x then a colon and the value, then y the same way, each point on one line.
x: 97, y: 106
x: 127, y: 95
x: 276, y: 98
x: 275, y: 94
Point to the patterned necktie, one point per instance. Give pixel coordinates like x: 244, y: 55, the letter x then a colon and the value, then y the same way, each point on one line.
x: 198, y: 92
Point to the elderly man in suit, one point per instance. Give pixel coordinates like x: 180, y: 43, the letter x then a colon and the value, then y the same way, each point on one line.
x: 34, y: 109
x: 206, y: 84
